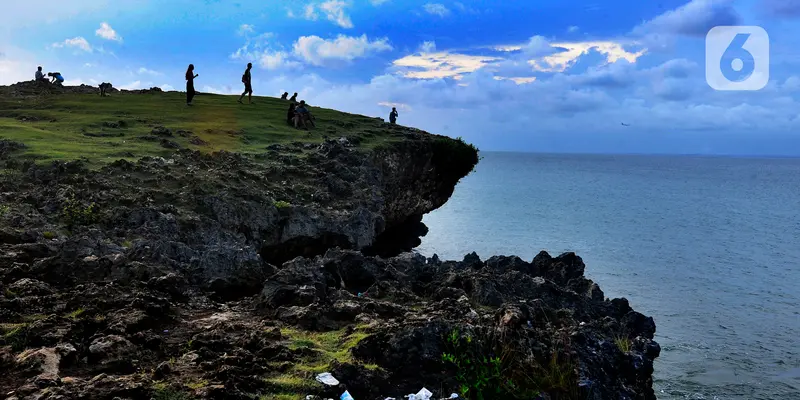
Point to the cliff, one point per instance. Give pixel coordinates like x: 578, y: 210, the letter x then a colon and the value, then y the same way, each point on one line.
x: 216, y: 253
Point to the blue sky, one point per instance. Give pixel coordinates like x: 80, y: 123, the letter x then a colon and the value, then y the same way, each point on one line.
x: 516, y: 75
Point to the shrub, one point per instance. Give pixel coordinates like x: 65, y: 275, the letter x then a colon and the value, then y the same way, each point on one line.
x: 281, y: 204
x: 487, y: 368
x: 49, y: 235
x: 4, y: 209
x: 623, y: 343
x: 75, y: 213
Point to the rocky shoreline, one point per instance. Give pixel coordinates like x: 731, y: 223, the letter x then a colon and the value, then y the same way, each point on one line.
x: 233, y: 276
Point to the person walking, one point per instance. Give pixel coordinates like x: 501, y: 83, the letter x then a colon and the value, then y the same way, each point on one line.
x: 248, y: 85
x: 393, y: 116
x: 190, y: 75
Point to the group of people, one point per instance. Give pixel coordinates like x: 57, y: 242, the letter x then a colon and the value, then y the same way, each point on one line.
x: 52, y: 77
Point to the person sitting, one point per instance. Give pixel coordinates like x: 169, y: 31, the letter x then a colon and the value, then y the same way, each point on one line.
x: 294, y: 98
x: 393, y: 116
x: 290, y: 115
x: 57, y: 78
x: 303, y: 115
x: 285, y: 96
x: 40, y: 76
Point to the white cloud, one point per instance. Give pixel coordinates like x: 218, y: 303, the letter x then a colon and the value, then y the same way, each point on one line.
x: 571, y: 52
x: 573, y: 29
x: 517, y: 80
x: 88, y: 65
x: 441, y: 65
x: 316, y: 50
x: 427, y: 47
x: 76, y: 42
x: 135, y: 85
x: 167, y: 88
x: 246, y: 29
x: 400, y: 106
x: 378, y: 2
x: 277, y: 60
x: 334, y: 11
x: 309, y: 13
x: 107, y: 32
x: 145, y: 71
x: 436, y: 9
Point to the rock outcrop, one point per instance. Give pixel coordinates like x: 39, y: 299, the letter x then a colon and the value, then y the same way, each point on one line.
x: 232, y: 276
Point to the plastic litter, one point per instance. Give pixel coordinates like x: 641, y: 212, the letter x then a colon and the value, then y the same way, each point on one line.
x: 423, y: 394
x: 346, y: 396
x: 454, y: 396
x: 327, y: 379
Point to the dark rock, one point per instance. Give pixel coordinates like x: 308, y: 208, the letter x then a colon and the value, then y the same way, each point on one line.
x: 169, y: 144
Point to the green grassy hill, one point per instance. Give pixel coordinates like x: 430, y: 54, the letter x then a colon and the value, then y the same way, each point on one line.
x: 102, y: 129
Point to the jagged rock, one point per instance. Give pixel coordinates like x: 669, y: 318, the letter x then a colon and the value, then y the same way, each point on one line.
x: 30, y: 287
x: 113, y: 353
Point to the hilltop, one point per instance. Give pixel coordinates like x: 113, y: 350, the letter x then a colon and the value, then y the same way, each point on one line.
x: 152, y: 250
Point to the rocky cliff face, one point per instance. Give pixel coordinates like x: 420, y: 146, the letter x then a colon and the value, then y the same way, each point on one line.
x: 232, y: 276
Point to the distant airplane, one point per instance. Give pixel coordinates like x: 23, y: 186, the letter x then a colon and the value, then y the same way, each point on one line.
x: 624, y: 124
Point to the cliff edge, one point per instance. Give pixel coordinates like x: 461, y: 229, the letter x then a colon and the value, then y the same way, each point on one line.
x: 153, y: 251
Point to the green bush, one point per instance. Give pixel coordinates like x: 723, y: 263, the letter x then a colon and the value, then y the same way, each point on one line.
x: 487, y: 369
x: 281, y: 204
x: 75, y: 213
x: 4, y: 209
x: 455, y: 154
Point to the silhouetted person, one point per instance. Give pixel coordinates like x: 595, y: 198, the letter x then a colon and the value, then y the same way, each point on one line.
x: 190, y: 75
x: 285, y: 95
x: 290, y: 114
x: 393, y: 115
x: 105, y: 87
x: 294, y: 98
x: 40, y: 76
x: 57, y: 78
x: 248, y: 84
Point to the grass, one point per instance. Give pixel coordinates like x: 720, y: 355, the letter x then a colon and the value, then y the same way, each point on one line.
x: 325, y: 347
x: 623, y: 343
x: 76, y: 314
x: 72, y: 126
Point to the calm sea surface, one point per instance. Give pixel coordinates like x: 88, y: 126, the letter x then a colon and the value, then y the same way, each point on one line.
x: 710, y: 247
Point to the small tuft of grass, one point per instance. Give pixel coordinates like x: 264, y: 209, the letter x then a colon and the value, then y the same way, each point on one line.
x: 75, y: 213
x: 49, y: 235
x: 161, y: 392
x: 282, y: 396
x: 127, y: 244
x: 4, y: 209
x: 623, y: 343
x: 15, y: 335
x: 76, y: 314
x: 197, y: 384
x: 281, y: 204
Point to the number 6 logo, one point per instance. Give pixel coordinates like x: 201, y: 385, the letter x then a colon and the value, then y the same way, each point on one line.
x: 737, y: 58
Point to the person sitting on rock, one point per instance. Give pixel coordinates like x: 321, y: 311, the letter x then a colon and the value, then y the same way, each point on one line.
x: 294, y: 98
x: 285, y: 96
x: 290, y: 115
x: 57, y: 78
x: 393, y: 116
x: 303, y: 115
x: 40, y: 76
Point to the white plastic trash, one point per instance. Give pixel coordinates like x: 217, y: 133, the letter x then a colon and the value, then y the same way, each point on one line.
x: 454, y: 396
x: 328, y: 379
x: 424, y: 394
x: 346, y: 396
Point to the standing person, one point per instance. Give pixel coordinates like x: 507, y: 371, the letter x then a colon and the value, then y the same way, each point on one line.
x: 294, y: 98
x: 190, y: 75
x: 248, y: 85
x: 393, y: 116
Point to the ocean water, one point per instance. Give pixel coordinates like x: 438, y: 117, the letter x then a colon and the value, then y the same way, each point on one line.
x: 708, y: 246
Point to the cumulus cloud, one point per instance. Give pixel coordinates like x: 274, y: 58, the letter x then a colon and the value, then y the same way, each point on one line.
x: 441, y: 65
x: 76, y: 42
x: 334, y: 11
x: 695, y: 18
x: 107, y: 32
x: 436, y: 9
x: 317, y: 51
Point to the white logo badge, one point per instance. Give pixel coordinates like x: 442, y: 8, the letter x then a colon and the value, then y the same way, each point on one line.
x: 737, y: 58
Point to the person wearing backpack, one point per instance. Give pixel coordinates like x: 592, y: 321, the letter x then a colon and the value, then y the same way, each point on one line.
x: 248, y: 85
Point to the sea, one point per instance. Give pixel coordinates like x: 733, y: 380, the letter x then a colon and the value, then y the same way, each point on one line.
x: 708, y: 246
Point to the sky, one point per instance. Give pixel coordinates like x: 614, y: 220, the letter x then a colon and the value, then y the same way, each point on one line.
x: 612, y: 76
